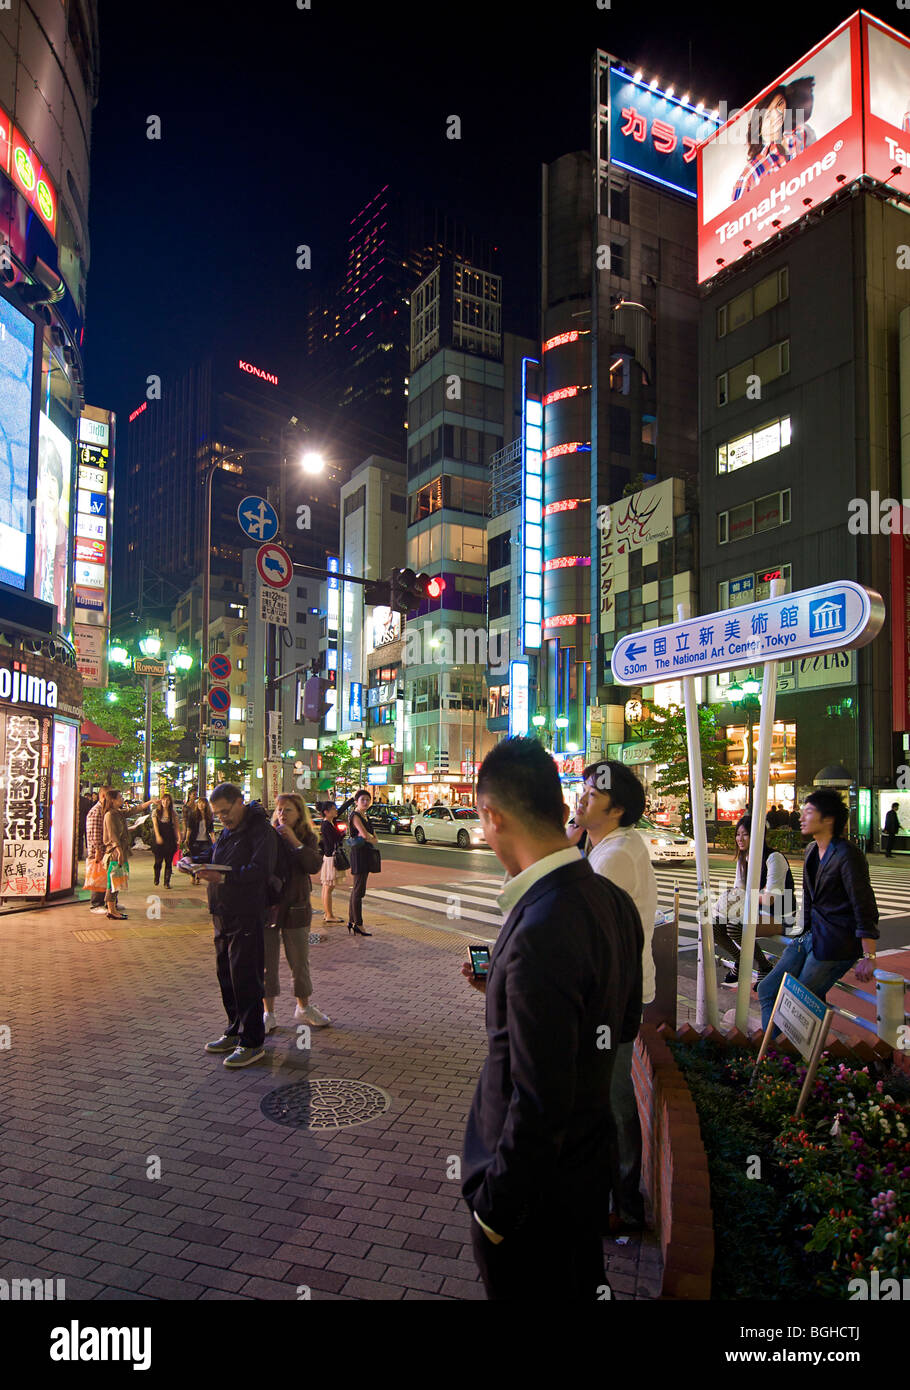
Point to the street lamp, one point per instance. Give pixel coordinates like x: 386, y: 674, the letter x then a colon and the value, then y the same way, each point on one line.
x: 312, y: 462
x: 745, y: 697
x: 150, y: 646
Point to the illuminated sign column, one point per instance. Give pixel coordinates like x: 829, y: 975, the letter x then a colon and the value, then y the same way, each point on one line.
x: 93, y: 541
x: 531, y: 504
x: 519, y: 698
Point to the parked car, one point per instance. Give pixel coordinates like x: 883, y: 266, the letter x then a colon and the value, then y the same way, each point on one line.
x: 389, y: 819
x: 458, y: 825
x: 666, y: 843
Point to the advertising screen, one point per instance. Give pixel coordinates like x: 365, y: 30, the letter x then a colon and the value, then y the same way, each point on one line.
x: 794, y: 146
x: 52, y: 516
x: 887, y: 61
x: 17, y: 364
x: 63, y: 805
x: 654, y: 135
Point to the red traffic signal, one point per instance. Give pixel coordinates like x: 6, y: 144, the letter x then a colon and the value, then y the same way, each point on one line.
x: 435, y: 588
x: 410, y: 590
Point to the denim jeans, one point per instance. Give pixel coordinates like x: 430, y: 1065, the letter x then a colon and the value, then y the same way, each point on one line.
x: 625, y: 1147
x: 798, y: 961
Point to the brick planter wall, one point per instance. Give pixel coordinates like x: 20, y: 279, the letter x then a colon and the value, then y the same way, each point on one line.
x: 674, y: 1163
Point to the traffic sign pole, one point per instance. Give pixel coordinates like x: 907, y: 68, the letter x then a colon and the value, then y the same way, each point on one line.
x: 706, y: 982
x: 757, y: 832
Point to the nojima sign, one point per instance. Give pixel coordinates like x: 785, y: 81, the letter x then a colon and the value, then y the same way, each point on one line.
x: 797, y: 144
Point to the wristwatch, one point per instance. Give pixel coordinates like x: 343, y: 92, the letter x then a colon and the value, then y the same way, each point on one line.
x: 868, y: 955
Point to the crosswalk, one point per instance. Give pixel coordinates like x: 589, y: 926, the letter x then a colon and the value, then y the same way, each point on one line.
x: 472, y: 900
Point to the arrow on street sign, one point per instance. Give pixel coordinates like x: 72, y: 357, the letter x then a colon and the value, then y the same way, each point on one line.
x: 829, y: 617
x: 258, y: 518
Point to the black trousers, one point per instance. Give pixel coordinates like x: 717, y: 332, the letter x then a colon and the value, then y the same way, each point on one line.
x: 355, y: 910
x: 240, y: 961
x: 164, y: 854
x: 889, y: 845
x: 730, y: 938
x: 546, y: 1261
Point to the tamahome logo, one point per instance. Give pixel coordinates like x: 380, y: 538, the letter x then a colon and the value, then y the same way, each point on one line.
x: 778, y: 195
x: 18, y: 687
x: 257, y: 371
x: 75, y: 1343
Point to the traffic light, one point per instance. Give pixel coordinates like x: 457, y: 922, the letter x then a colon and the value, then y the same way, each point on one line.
x: 378, y: 594
x: 410, y: 590
x: 315, y: 701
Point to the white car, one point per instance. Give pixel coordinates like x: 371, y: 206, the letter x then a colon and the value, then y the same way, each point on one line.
x: 666, y: 843
x: 458, y: 825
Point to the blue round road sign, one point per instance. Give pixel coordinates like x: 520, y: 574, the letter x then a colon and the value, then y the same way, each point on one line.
x: 258, y: 519
x: 220, y: 667
x: 219, y: 698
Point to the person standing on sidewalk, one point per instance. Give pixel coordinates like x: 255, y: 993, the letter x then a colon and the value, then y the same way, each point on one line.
x: 840, y: 914
x: 330, y: 838
x: 610, y: 807
x: 363, y: 837
x: 290, y: 920
x: 164, y: 833
x: 892, y: 828
x: 94, y: 845
x: 116, y: 836
x: 776, y: 903
x: 563, y: 991
x: 238, y: 902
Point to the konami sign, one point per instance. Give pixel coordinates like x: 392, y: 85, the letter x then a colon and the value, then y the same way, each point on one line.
x: 257, y: 371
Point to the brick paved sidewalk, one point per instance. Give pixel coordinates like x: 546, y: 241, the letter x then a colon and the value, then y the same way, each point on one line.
x: 106, y: 1081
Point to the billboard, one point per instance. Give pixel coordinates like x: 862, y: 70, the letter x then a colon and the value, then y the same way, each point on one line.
x: 92, y: 558
x: 52, y: 516
x: 654, y: 135
x: 795, y: 145
x: 886, y: 58
x: 17, y: 368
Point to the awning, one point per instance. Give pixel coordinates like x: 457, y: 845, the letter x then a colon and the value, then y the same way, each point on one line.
x: 93, y: 737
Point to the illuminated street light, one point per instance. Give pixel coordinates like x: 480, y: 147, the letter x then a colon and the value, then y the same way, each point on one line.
x: 562, y: 722
x: 312, y: 462
x: 538, y: 720
x: 120, y: 656
x: 150, y: 645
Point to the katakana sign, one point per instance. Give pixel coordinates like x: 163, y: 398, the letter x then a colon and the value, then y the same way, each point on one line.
x: 830, y: 617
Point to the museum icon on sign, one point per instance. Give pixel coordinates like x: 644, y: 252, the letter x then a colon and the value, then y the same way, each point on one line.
x: 828, y: 615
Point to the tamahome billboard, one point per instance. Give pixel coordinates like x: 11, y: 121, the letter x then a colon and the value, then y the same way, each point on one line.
x: 886, y: 57
x: 795, y: 145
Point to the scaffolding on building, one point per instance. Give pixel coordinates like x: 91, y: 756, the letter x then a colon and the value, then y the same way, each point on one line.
x: 505, y: 478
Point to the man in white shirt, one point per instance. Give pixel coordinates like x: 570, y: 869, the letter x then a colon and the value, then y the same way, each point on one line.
x: 609, y: 809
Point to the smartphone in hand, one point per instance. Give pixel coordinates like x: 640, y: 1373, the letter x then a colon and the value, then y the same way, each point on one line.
x: 480, y: 961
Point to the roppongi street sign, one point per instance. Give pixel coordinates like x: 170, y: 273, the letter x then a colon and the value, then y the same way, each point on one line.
x: 830, y: 617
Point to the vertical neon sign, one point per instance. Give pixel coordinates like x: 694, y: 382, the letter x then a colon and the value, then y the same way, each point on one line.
x: 531, y: 504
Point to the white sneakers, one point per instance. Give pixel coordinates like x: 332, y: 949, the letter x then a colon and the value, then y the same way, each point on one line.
x: 313, y: 1016
x: 270, y: 1021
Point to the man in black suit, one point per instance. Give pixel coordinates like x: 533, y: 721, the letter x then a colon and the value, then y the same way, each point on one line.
x: 892, y: 828
x: 840, y: 915
x: 563, y: 992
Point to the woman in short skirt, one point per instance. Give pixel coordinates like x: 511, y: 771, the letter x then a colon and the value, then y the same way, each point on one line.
x: 330, y: 837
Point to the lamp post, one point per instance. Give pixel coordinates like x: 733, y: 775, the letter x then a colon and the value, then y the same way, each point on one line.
x: 745, y: 696
x: 149, y: 646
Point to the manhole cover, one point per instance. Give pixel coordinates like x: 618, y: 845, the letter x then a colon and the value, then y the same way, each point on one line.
x: 92, y: 936
x: 329, y: 1104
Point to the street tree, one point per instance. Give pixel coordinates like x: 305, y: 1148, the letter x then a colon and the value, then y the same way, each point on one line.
x: 669, y: 742
x: 125, y: 719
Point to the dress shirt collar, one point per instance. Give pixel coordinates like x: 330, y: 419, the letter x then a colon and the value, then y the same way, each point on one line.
x: 521, y: 883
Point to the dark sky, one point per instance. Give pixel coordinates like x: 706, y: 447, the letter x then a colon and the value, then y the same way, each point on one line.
x: 279, y: 123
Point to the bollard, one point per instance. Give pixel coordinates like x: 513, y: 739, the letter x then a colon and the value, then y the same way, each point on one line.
x: 889, y: 1005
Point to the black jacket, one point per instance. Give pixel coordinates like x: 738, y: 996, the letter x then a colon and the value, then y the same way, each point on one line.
x: 295, y: 908
x: 252, y: 852
x: 842, y: 908
x: 892, y: 823
x: 566, y: 964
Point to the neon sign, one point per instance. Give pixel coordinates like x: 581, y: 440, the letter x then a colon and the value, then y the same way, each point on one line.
x: 576, y: 447
x: 28, y: 174
x: 139, y: 410
x: 257, y: 371
x: 567, y: 562
x: 571, y: 504
x: 567, y: 619
x: 531, y: 490
x: 560, y: 339
x: 564, y: 394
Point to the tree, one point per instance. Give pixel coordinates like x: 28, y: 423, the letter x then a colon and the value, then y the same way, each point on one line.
x: 670, y: 751
x: 233, y: 769
x: 125, y: 719
x: 340, y: 760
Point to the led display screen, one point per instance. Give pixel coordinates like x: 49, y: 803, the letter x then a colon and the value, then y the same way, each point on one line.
x: 52, y: 516
x: 17, y: 365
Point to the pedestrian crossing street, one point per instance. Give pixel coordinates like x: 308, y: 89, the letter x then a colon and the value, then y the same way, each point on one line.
x: 471, y: 900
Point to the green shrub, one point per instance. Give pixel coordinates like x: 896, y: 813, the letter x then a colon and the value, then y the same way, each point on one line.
x: 725, y: 836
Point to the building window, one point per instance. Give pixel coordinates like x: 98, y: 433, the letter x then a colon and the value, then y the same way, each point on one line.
x: 355, y: 501
x: 752, y: 588
x: 398, y: 502
x: 767, y: 366
x: 301, y: 617
x: 301, y: 591
x: 301, y: 644
x: 499, y: 602
x: 737, y: 312
x: 752, y: 447
x: 764, y: 514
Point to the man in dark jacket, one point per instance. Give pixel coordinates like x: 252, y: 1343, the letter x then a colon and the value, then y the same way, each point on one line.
x: 892, y: 828
x: 563, y: 992
x: 238, y: 902
x: 839, y: 909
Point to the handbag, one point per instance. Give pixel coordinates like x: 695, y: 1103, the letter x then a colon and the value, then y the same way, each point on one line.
x: 95, y: 876
x: 374, y: 859
x: 118, y: 877
x: 341, y: 860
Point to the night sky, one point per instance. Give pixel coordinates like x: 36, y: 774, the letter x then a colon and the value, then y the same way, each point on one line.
x: 278, y: 124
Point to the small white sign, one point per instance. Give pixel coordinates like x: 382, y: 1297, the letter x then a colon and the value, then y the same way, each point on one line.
x: 92, y: 479
x: 274, y: 606
x: 799, y: 1014
x: 24, y: 869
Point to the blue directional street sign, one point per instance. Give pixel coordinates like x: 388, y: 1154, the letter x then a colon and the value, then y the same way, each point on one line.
x: 830, y: 617
x: 258, y: 519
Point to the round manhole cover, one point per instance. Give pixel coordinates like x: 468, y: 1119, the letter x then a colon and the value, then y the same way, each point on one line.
x: 330, y: 1104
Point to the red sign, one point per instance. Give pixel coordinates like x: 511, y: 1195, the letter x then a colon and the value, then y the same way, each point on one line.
x: 560, y: 339
x: 900, y: 631
x: 796, y: 145
x: 139, y: 409
x: 420, y: 767
x: 274, y: 565
x: 29, y: 176
x: 570, y: 505
x: 92, y: 552
x: 886, y: 72
x: 257, y: 371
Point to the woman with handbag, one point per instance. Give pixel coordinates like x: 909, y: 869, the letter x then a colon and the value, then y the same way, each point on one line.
x: 334, y: 860
x: 291, y: 918
x: 116, y: 838
x: 365, y: 860
x: 164, y: 837
x: 198, y: 825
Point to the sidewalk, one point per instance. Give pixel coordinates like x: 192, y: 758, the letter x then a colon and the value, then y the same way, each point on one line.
x: 135, y: 1166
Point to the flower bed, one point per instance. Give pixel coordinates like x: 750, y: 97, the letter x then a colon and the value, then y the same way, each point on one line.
x: 801, y: 1207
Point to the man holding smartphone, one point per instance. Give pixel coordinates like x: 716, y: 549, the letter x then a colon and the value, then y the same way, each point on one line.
x: 563, y: 991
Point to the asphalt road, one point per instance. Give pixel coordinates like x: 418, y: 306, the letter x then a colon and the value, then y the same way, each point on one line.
x: 405, y: 848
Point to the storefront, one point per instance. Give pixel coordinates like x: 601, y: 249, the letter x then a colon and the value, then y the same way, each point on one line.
x: 427, y: 788
x: 40, y: 714
x: 732, y: 803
